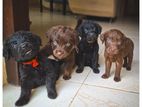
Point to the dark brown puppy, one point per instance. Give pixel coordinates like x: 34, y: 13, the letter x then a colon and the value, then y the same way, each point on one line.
x: 117, y: 48
x: 63, y: 40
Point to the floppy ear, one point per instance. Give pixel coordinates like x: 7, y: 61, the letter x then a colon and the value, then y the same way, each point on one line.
x: 49, y: 34
x: 79, y: 21
x: 102, y: 37
x: 99, y: 28
x: 76, y: 42
x: 79, y: 30
x: 38, y: 40
x: 6, y: 49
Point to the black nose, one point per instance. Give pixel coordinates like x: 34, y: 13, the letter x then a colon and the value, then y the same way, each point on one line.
x: 89, y: 39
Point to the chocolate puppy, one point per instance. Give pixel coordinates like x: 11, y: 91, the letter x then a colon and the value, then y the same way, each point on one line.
x: 88, y: 45
x: 118, y: 49
x: 35, y: 68
x: 63, y: 42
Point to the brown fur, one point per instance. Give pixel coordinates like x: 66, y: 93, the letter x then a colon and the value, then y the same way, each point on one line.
x: 118, y: 49
x: 63, y: 41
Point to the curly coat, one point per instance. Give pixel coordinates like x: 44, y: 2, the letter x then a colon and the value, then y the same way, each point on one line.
x: 35, y: 68
x: 63, y: 41
x: 118, y: 48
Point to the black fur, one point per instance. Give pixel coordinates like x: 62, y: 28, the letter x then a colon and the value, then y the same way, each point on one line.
x: 88, y: 45
x: 24, y: 46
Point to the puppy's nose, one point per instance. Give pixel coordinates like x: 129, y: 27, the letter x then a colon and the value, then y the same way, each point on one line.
x: 59, y: 52
x: 90, y: 38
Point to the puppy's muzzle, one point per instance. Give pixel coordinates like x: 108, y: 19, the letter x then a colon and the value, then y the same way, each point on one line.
x: 25, y: 48
x: 59, y: 52
x: 91, y: 39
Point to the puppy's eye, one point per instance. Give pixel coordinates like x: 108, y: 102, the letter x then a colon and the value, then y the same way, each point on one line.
x: 68, y: 44
x: 55, y: 43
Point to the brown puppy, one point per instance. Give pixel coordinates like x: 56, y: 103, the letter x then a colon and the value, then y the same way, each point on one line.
x: 117, y: 48
x: 63, y: 41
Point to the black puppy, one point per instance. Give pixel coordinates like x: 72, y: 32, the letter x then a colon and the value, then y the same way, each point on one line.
x: 35, y: 68
x: 88, y: 45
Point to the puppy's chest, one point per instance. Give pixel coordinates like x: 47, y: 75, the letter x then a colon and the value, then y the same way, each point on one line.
x: 29, y: 72
x: 112, y: 58
x: 87, y: 48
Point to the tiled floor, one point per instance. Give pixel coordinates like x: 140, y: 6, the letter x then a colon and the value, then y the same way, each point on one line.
x: 86, y: 89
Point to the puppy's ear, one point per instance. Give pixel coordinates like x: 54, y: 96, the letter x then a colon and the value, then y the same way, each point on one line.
x: 79, y: 21
x: 76, y: 42
x: 79, y: 30
x: 38, y: 40
x: 49, y: 34
x: 6, y: 49
x: 103, y: 37
x: 99, y: 29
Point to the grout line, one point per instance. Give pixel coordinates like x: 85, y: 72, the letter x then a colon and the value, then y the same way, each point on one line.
x: 113, y: 89
x: 79, y: 89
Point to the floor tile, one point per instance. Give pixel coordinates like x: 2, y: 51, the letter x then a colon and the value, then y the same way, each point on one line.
x: 89, y: 96
x: 78, y: 77
x: 66, y: 92
x: 10, y: 95
x: 129, y: 79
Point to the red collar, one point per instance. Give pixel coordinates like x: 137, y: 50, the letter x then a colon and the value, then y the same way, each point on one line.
x: 33, y: 62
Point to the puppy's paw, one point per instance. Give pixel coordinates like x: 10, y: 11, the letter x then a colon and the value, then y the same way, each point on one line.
x: 52, y: 95
x: 124, y: 65
x: 79, y: 70
x: 96, y: 70
x: 66, y: 77
x: 98, y: 65
x: 128, y: 68
x: 117, y: 79
x: 105, y: 76
x: 22, y: 101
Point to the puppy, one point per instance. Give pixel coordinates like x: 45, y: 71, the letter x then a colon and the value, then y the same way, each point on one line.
x: 88, y: 45
x: 118, y: 48
x: 63, y: 41
x: 35, y: 68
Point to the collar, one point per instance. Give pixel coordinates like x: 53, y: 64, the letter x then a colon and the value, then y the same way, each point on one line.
x: 32, y: 62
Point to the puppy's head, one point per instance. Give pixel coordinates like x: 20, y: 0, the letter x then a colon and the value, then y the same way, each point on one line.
x: 63, y: 40
x: 114, y: 40
x: 22, y: 45
x: 88, y: 30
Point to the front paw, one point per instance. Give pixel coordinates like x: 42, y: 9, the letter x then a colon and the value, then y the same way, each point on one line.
x: 98, y: 65
x: 79, y: 70
x: 22, y: 101
x: 124, y: 65
x: 65, y: 77
x: 105, y: 76
x: 128, y: 68
x: 96, y: 70
x: 52, y: 95
x: 117, y: 79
